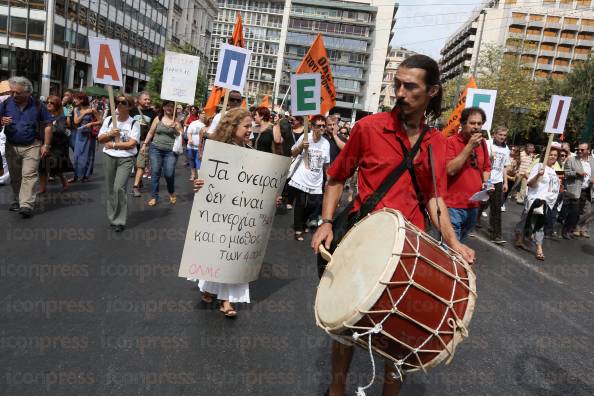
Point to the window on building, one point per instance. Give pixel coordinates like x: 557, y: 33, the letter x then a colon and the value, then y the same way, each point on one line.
x: 518, y: 15
x: 3, y: 23
x: 565, y: 3
x: 536, y: 17
x: 36, y: 29
x: 583, y: 3
x: 588, y: 22
x: 18, y: 27
x: 570, y: 21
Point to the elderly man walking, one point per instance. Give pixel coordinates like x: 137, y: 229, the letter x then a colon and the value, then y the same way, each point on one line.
x: 28, y: 133
x: 579, y: 183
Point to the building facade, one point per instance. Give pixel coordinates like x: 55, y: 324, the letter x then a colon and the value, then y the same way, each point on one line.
x: 356, y: 35
x: 387, y: 98
x: 548, y: 37
x: 47, y: 41
x: 262, y: 26
x: 190, y: 25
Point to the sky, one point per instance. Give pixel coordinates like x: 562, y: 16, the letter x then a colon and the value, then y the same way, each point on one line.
x: 424, y: 25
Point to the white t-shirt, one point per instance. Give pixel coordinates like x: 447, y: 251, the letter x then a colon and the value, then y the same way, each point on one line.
x: 588, y: 176
x: 547, y: 187
x: 214, y: 124
x: 500, y: 158
x: 127, y: 133
x: 194, y: 131
x: 311, y: 180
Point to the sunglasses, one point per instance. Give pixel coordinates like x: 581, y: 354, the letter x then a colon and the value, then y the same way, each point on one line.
x: 319, y: 126
x: 122, y: 102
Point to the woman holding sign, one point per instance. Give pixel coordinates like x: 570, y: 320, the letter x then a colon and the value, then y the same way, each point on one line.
x: 234, y: 128
x: 161, y: 137
x: 543, y: 189
x: 120, y: 139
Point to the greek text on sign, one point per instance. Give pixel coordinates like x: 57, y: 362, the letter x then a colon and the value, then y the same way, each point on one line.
x: 305, y: 94
x: 557, y: 114
x: 232, y: 214
x: 485, y: 99
x: 232, y: 67
x: 106, y: 61
x: 180, y: 72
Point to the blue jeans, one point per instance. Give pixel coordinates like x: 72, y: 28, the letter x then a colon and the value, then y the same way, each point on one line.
x: 162, y: 161
x: 463, y: 220
x: 193, y: 157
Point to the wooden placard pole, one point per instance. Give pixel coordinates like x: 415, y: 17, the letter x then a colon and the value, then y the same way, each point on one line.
x: 174, y: 111
x: 225, y: 101
x: 306, y: 139
x: 545, y: 159
x: 112, y: 107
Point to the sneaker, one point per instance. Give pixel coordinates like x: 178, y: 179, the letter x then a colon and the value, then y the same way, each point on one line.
x: 26, y: 212
x: 503, y: 208
x: 14, y: 207
x: 484, y: 214
x: 498, y: 241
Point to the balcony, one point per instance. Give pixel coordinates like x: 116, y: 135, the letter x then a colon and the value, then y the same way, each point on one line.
x: 561, y: 69
x: 553, y: 25
x: 586, y: 28
x: 577, y: 56
x: 530, y: 51
x: 547, y: 53
x: 544, y: 66
x: 571, y: 27
x: 565, y: 40
x: 528, y: 65
x: 514, y: 35
x: 533, y: 37
x: 564, y: 55
x: 518, y: 21
x: 586, y: 42
x: 535, y: 24
x: 550, y: 39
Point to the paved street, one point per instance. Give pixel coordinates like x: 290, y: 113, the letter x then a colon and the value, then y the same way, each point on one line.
x: 86, y: 311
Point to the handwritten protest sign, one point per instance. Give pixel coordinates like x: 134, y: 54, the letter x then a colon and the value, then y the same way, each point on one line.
x: 106, y: 61
x: 180, y: 72
x: 232, y: 214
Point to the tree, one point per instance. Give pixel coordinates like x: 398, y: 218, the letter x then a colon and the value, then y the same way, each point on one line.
x: 156, y: 75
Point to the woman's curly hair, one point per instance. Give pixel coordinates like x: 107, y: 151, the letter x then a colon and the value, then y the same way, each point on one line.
x: 229, y: 123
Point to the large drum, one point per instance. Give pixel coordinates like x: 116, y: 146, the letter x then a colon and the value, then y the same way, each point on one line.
x: 390, y: 287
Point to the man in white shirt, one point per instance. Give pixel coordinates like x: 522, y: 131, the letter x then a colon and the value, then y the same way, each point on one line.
x: 234, y: 101
x: 500, y: 161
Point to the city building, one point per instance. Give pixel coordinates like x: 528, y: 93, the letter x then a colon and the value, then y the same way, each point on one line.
x: 47, y: 41
x: 356, y: 35
x: 263, y: 22
x: 387, y: 98
x: 547, y: 37
x: 190, y: 25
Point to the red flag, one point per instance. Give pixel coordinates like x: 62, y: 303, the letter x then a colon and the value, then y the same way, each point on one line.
x: 237, y: 37
x: 210, y: 108
x: 316, y: 61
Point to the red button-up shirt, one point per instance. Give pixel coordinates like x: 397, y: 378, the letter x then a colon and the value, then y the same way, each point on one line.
x: 373, y: 147
x: 469, y: 179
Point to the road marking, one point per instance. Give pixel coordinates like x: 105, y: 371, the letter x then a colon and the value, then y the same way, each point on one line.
x: 513, y: 256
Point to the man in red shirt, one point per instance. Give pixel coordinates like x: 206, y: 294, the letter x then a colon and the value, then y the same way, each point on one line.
x: 375, y: 149
x: 468, y: 167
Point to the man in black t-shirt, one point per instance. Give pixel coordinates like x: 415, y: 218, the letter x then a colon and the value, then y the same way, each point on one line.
x: 336, y: 139
x: 144, y: 115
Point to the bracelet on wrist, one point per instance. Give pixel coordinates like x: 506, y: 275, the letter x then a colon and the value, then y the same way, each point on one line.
x: 327, y: 221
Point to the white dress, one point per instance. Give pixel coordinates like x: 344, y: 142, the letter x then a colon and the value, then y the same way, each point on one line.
x: 235, y: 293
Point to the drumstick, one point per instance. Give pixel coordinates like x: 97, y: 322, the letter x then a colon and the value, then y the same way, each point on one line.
x: 325, y: 253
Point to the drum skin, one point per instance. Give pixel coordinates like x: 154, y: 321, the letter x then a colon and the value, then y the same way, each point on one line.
x: 424, y: 309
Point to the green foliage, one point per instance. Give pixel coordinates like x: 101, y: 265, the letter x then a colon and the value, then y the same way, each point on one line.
x: 156, y: 75
x: 523, y: 102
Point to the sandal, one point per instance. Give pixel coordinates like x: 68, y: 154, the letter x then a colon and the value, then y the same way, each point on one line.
x: 207, y: 297
x: 152, y: 202
x: 172, y: 199
x: 540, y: 256
x: 299, y: 236
x: 229, y: 312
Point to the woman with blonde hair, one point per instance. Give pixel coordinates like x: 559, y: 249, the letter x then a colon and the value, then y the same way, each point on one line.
x: 234, y: 128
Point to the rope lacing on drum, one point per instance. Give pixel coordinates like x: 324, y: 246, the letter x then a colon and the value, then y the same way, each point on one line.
x: 456, y: 325
x: 374, y: 330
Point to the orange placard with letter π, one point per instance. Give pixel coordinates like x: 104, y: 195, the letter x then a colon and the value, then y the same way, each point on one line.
x: 451, y: 127
x: 106, y: 61
x: 316, y: 61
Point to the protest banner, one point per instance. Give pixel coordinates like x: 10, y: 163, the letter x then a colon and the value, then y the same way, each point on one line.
x: 107, y: 66
x: 231, y: 70
x: 232, y: 214
x: 180, y: 73
x: 453, y: 124
x: 555, y: 124
x: 316, y: 61
x: 485, y: 99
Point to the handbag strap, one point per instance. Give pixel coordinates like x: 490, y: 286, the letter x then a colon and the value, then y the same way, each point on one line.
x: 371, y: 202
